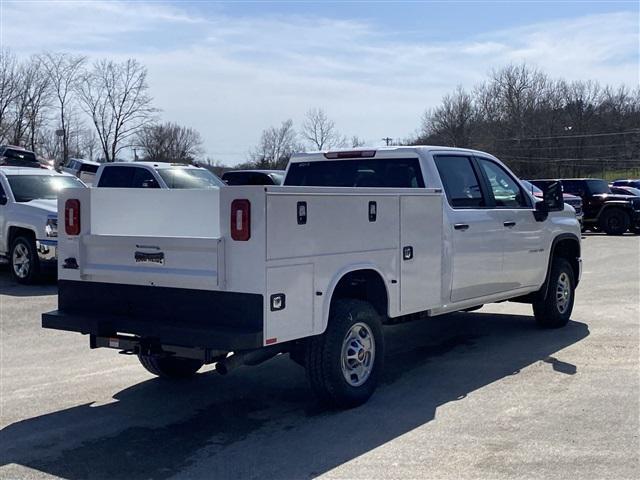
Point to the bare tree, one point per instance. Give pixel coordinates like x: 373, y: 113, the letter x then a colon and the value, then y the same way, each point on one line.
x: 320, y: 131
x: 277, y: 144
x: 33, y: 97
x: 115, y: 96
x: 8, y: 90
x: 451, y: 121
x: 169, y: 142
x: 357, y: 142
x: 64, y: 71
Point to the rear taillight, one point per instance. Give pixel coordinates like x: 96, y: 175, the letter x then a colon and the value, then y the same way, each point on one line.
x: 72, y: 216
x: 241, y: 220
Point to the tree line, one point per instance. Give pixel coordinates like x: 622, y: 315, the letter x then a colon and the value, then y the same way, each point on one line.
x: 62, y: 106
x: 541, y: 126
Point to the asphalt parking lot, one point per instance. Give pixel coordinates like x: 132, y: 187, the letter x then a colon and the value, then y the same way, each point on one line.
x: 477, y: 395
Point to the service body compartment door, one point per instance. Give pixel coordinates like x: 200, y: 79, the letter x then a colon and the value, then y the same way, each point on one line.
x: 421, y: 252
x: 293, y: 316
x: 159, y: 261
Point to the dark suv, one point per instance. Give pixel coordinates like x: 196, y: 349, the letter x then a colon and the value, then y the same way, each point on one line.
x: 12, y: 156
x: 602, y: 209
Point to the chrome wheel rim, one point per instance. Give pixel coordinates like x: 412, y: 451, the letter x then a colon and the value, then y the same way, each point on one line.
x: 563, y: 292
x: 21, y: 260
x: 358, y: 354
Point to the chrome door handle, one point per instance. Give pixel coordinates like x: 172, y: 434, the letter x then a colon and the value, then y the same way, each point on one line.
x: 461, y: 226
x: 509, y: 224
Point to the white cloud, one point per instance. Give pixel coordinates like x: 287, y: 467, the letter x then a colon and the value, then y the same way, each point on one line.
x: 230, y: 77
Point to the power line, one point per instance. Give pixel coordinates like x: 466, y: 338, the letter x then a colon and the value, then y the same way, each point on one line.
x: 585, y: 135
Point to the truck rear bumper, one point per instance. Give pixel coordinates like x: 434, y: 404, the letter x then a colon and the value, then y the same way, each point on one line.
x: 218, y: 338
x: 185, y: 317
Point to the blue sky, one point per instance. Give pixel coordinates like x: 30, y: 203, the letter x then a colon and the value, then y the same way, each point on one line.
x: 233, y: 69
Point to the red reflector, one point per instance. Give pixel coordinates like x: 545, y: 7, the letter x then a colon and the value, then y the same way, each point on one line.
x: 352, y: 154
x: 241, y: 220
x: 72, y: 216
x: 269, y: 341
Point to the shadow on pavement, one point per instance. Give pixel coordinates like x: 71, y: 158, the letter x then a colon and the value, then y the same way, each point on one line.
x: 8, y: 286
x: 262, y: 422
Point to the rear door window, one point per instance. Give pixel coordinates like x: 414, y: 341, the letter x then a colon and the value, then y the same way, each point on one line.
x: 143, y: 178
x: 116, y: 177
x: 382, y: 173
x: 460, y: 182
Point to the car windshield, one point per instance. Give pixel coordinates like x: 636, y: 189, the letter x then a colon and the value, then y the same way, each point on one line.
x: 278, y: 178
x: 31, y: 187
x: 598, y: 186
x: 630, y: 191
x: 189, y: 178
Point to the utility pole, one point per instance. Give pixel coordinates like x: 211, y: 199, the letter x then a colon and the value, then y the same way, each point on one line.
x: 388, y: 140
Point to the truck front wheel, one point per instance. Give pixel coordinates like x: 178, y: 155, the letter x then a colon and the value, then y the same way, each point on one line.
x: 25, y: 264
x: 344, y: 363
x: 170, y: 367
x: 554, y: 310
x: 614, y: 221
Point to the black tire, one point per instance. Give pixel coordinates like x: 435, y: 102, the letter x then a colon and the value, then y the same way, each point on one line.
x: 324, y: 355
x: 614, y: 221
x: 24, y: 261
x: 635, y: 229
x: 554, y: 310
x: 170, y: 367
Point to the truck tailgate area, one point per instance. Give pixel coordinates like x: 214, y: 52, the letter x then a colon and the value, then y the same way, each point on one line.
x: 208, y: 319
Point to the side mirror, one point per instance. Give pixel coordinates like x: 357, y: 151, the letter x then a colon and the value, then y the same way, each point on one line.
x: 552, y: 197
x: 3, y: 199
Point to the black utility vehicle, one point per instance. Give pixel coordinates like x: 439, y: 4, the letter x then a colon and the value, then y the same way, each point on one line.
x: 13, y: 156
x: 603, y: 210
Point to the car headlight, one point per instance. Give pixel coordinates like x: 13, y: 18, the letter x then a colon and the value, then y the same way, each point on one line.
x: 51, y: 228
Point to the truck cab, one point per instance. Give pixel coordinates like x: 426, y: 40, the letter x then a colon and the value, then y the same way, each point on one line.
x: 352, y: 240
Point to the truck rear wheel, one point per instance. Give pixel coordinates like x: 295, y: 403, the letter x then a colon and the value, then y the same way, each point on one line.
x: 25, y: 264
x: 554, y: 310
x: 170, y: 367
x: 344, y: 363
x: 614, y: 221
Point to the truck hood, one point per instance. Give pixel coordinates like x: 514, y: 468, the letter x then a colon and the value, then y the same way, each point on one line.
x: 48, y: 206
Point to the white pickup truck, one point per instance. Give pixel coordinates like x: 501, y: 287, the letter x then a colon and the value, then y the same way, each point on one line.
x: 29, y: 219
x: 313, y: 268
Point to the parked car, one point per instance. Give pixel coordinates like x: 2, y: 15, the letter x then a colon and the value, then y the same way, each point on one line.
x: 85, y: 170
x: 574, y: 201
x: 13, y: 156
x: 29, y: 219
x: 314, y: 272
x: 603, y: 210
x: 635, y: 183
x: 625, y: 191
x: 253, y: 177
x: 155, y: 175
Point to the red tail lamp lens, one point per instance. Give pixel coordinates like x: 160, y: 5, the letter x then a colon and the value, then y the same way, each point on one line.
x: 241, y: 220
x: 72, y: 216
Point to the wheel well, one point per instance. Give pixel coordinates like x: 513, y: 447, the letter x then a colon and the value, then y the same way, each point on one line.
x: 607, y: 208
x: 365, y: 285
x: 569, y: 249
x: 16, y: 232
